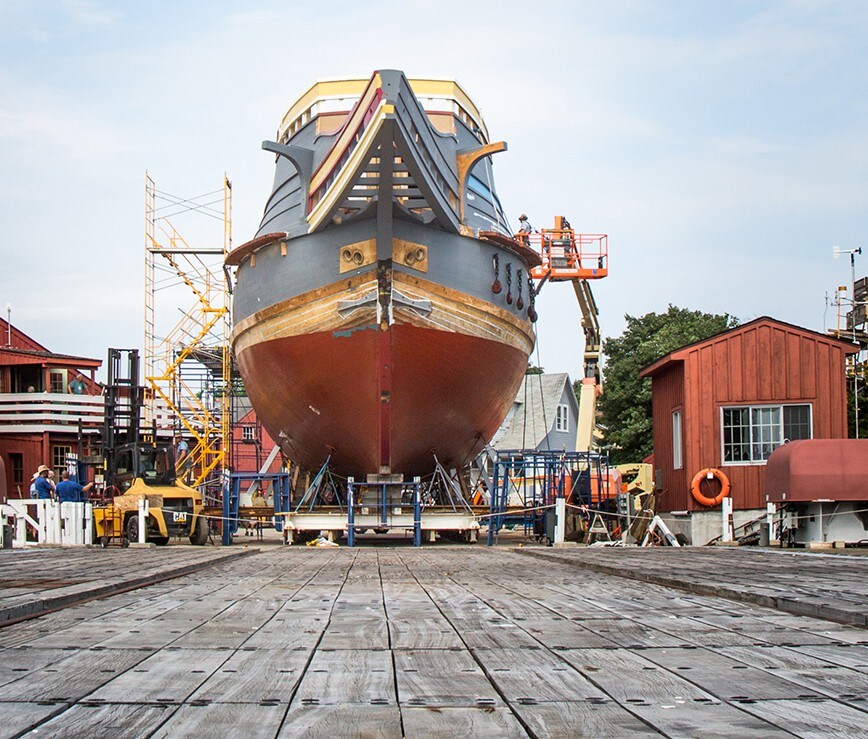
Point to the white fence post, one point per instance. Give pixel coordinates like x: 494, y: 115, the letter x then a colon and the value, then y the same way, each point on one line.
x: 726, y: 510
x: 88, y: 523
x: 560, y: 519
x: 143, y: 519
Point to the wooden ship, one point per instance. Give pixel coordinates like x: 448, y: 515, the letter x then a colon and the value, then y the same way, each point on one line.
x: 383, y: 312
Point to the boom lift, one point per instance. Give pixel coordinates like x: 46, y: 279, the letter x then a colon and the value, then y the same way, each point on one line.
x: 568, y: 256
x: 138, y: 468
x: 577, y: 258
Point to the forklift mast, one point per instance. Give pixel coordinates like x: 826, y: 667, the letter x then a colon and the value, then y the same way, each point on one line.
x: 124, y: 398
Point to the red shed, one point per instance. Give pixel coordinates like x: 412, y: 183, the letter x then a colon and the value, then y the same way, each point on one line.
x: 730, y: 400
x: 818, y: 470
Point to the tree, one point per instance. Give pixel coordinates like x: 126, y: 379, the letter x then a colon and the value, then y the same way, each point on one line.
x: 532, y: 369
x: 625, y: 405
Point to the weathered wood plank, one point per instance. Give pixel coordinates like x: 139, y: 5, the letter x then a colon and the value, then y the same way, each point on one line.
x: 352, y: 721
x: 73, y: 678
x: 348, y: 676
x: 250, y: 720
x: 451, y: 721
x: 814, y: 719
x: 538, y: 676
x: 168, y: 676
x: 19, y: 717
x: 583, y: 719
x: 253, y: 676
x: 110, y: 721
x: 442, y: 678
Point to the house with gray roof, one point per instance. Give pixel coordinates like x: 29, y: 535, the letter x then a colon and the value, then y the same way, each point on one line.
x: 542, y: 417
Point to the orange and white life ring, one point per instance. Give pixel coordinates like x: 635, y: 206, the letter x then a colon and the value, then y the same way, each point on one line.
x: 709, y: 473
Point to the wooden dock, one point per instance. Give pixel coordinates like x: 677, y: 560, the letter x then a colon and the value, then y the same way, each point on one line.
x: 438, y: 641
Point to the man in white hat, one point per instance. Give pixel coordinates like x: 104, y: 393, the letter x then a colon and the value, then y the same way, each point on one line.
x: 42, y: 486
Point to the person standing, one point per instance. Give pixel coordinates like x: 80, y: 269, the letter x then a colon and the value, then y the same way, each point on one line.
x: 181, y: 449
x: 69, y: 491
x: 43, y: 485
x: 78, y: 385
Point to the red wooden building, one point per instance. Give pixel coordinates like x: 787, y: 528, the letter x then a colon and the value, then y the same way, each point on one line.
x: 40, y: 419
x: 251, y: 444
x: 730, y: 400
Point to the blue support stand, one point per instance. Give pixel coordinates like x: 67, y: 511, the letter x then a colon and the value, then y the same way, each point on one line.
x: 231, y: 496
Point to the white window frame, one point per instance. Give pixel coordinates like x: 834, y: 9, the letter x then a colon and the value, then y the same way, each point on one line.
x: 677, y: 441
x: 562, y: 418
x: 248, y: 433
x: 751, y: 429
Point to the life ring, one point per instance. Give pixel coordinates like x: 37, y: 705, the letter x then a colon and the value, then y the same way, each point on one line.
x: 708, y: 473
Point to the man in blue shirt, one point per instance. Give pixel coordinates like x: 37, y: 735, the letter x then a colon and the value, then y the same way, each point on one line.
x: 69, y: 491
x: 44, y: 487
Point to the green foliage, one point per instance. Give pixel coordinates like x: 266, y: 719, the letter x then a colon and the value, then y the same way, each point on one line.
x: 625, y: 405
x: 532, y: 369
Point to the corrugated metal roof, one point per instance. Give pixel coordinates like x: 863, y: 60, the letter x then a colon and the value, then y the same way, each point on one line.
x: 533, y: 411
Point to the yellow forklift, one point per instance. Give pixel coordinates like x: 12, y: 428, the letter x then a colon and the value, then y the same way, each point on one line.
x: 141, y: 469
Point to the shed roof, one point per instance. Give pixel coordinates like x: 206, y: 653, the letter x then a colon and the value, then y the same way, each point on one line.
x: 13, y: 357
x: 532, y: 415
x: 678, y: 355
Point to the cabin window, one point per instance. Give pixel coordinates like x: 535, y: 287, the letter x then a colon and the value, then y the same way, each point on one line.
x: 677, y: 460
x: 58, y: 459
x: 752, y: 433
x: 57, y: 381
x: 16, y: 462
x: 562, y: 418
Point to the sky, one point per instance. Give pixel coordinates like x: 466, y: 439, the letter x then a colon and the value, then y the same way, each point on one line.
x: 721, y: 145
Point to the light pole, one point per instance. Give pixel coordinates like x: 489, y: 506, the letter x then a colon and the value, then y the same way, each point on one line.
x: 837, y: 252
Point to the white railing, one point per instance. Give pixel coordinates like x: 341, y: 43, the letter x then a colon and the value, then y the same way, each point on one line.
x: 66, y: 524
x: 28, y: 413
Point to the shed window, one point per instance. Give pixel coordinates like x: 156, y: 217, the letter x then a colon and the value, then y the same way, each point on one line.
x: 248, y: 433
x: 677, y: 461
x: 562, y: 419
x: 752, y: 433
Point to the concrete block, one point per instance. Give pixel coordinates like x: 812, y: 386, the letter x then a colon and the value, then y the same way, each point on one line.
x: 813, y: 545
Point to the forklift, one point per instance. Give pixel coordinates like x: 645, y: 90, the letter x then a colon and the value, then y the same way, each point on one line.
x: 141, y: 468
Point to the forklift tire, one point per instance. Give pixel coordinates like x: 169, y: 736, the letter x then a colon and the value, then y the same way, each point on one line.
x: 160, y: 541
x: 132, y: 528
x: 200, y: 535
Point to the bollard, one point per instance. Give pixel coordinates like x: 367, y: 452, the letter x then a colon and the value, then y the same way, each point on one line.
x: 143, y: 519
x: 88, y: 523
x: 560, y: 520
x: 770, y: 521
x: 726, y: 511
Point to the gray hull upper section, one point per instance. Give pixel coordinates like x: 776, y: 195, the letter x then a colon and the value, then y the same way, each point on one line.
x: 313, y: 261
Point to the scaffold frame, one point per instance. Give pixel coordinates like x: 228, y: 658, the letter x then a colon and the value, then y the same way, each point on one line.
x: 187, y: 363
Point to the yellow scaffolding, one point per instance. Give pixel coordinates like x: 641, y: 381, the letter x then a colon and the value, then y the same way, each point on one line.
x: 187, y: 361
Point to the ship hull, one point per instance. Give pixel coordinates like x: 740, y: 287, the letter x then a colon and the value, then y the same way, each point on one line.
x: 449, y: 394
x: 379, y: 323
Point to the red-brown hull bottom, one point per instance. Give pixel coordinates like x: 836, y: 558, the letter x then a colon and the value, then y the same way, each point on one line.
x: 320, y: 391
